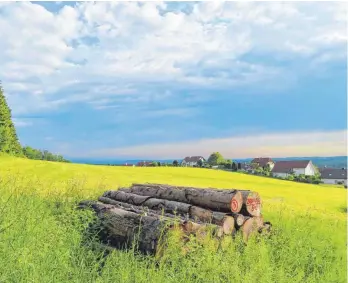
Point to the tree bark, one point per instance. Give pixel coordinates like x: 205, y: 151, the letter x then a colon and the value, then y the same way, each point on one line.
x: 126, y: 197
x: 139, y: 209
x: 120, y: 227
x: 218, y: 200
x: 178, y: 208
x: 150, y: 202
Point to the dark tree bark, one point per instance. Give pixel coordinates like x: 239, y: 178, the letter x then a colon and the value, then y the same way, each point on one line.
x: 218, y: 200
x: 120, y: 228
x: 143, y: 210
x: 150, y: 202
x: 198, y: 214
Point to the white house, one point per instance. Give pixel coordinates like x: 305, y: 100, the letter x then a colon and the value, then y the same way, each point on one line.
x: 191, y: 161
x: 333, y: 175
x: 283, y: 169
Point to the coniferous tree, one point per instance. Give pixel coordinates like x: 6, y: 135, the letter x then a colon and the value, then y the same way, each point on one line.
x: 8, y: 137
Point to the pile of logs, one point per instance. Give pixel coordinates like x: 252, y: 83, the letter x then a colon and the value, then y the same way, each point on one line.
x: 144, y: 211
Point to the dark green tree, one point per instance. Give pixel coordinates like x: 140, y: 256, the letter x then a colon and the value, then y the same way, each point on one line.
x: 216, y: 159
x: 228, y: 163
x: 175, y: 163
x: 200, y: 163
x: 239, y: 166
x: 8, y: 137
x: 33, y: 153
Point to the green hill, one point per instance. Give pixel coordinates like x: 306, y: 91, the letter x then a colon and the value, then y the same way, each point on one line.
x: 42, y: 239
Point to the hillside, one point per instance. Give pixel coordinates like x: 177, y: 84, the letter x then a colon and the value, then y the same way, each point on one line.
x: 45, y: 239
x: 97, y: 178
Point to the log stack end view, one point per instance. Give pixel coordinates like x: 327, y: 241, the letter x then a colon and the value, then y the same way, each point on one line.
x: 144, y: 210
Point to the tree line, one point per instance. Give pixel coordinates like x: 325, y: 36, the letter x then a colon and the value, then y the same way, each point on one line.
x: 9, y: 142
x: 37, y: 154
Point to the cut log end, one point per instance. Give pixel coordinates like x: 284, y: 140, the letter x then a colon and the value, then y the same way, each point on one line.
x: 240, y: 219
x: 236, y: 202
x: 253, y: 204
x: 228, y: 225
x: 251, y: 226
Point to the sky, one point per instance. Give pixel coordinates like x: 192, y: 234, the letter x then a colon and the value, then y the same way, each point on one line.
x: 174, y: 79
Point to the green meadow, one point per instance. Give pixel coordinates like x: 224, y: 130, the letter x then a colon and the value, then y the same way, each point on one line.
x: 42, y: 236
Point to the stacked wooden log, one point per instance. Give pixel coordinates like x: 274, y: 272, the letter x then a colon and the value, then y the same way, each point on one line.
x: 144, y: 211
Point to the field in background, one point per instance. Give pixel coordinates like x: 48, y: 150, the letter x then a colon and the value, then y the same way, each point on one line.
x: 41, y: 238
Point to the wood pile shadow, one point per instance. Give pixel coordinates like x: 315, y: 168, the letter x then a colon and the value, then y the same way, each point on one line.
x: 144, y: 213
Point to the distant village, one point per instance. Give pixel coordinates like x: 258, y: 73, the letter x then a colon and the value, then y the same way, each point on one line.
x: 293, y: 170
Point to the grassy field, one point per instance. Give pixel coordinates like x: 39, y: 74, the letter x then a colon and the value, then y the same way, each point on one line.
x: 41, y: 237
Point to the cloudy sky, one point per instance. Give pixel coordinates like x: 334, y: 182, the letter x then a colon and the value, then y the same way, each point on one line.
x: 166, y: 80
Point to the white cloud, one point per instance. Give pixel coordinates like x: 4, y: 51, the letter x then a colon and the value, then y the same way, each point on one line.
x: 275, y: 145
x: 180, y: 112
x: 49, y: 59
x: 21, y: 122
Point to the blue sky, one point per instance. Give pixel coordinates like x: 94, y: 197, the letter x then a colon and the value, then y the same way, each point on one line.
x: 166, y: 80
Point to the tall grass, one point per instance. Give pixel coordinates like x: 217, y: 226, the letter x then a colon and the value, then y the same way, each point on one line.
x: 42, y: 240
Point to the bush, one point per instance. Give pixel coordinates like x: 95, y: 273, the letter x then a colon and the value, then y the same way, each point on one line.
x: 228, y: 165
x: 290, y: 177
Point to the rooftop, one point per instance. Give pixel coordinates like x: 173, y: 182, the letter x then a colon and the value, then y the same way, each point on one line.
x: 287, y: 166
x: 333, y: 173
